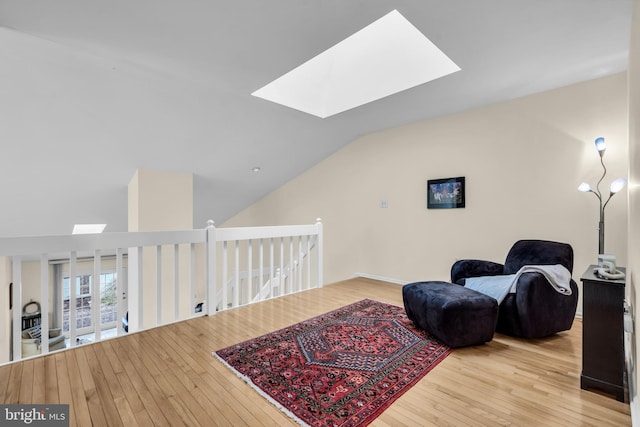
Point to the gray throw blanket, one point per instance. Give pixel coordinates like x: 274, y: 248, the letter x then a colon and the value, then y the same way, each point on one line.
x: 499, y: 286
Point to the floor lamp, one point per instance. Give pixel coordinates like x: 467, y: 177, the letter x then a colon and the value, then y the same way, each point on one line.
x: 616, y: 186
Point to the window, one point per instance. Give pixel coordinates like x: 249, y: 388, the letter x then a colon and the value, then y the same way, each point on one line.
x: 108, y: 299
x: 84, y: 305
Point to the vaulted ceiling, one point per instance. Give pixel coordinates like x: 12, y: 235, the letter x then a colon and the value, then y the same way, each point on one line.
x: 90, y: 91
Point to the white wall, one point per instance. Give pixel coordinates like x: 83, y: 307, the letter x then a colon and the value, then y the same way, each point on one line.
x: 160, y: 201
x: 523, y: 161
x: 633, y: 263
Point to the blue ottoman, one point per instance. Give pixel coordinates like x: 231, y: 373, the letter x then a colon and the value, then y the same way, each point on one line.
x: 455, y: 315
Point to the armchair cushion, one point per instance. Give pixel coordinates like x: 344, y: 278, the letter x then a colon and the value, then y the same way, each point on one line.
x: 538, y: 252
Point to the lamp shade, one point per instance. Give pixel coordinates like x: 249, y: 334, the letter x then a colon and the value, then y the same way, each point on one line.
x: 584, y: 187
x: 600, y: 145
x: 618, y: 185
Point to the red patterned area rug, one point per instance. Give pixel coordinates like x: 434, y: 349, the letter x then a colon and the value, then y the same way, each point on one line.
x: 343, y: 368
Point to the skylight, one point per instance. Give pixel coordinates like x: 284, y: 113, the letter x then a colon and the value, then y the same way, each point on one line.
x: 386, y: 57
x: 88, y: 228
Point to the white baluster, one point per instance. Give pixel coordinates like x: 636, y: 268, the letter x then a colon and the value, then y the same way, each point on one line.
x: 176, y: 283
x: 158, y: 285
x: 72, y: 299
x: 120, y: 294
x: 236, y: 282
x: 319, y: 255
x: 224, y: 276
x: 211, y: 298
x: 95, y: 294
x: 271, y: 270
x: 281, y: 290
x: 250, y: 270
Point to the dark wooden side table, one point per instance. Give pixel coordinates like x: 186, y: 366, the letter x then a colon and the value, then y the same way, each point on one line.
x: 603, y: 365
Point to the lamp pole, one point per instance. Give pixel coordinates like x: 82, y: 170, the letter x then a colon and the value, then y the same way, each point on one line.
x: 599, y: 194
x: 601, y: 230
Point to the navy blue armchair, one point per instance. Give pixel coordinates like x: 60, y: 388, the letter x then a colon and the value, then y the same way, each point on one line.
x: 536, y: 310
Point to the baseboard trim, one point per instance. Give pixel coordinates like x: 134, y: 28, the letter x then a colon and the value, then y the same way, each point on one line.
x: 381, y: 278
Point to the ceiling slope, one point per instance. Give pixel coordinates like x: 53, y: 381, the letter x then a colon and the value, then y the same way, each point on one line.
x: 91, y: 91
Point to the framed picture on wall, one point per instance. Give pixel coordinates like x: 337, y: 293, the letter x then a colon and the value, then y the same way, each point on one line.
x: 445, y: 193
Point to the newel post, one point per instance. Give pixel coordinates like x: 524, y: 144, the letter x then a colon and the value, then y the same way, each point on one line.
x: 319, y: 252
x: 211, y: 273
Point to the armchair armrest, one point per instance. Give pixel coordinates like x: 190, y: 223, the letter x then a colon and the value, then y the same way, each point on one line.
x: 541, y: 310
x: 464, y: 268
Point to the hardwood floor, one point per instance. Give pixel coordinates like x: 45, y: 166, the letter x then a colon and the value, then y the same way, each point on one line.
x: 168, y: 377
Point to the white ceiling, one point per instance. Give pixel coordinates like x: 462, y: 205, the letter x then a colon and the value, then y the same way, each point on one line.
x: 90, y: 91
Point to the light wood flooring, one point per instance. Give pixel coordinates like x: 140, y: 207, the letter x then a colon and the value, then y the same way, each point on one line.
x: 168, y: 377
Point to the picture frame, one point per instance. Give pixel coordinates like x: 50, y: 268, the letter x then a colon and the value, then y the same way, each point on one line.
x: 446, y: 193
